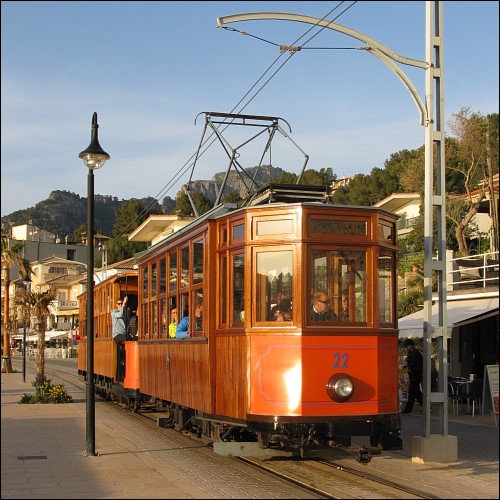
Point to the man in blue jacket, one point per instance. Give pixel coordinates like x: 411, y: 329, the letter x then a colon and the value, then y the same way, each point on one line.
x: 119, y: 321
x: 119, y: 335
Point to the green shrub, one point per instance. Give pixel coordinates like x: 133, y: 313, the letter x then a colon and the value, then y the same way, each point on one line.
x: 409, y: 303
x: 47, y: 393
x: 27, y: 399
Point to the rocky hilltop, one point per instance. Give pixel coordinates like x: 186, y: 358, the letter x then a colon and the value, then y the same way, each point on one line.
x: 236, y: 182
x: 63, y: 212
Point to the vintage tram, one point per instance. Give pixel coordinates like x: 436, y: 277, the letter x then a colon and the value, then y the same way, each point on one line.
x: 112, y: 375
x: 247, y: 378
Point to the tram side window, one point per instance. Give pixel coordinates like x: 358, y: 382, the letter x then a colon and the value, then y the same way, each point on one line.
x: 191, y: 323
x: 183, y: 308
x: 173, y: 316
x: 197, y: 262
x: 223, y: 235
x: 153, y: 279
x: 163, y: 276
x: 145, y: 315
x: 163, y: 318
x: 145, y: 283
x: 238, y: 231
x: 197, y: 313
x: 184, y: 267
x: 154, y: 319
x: 385, y: 289
x: 172, y: 273
x: 223, y: 290
x: 338, y: 286
x: 273, y: 283
x: 238, y: 292
x: 109, y: 307
x: 386, y: 232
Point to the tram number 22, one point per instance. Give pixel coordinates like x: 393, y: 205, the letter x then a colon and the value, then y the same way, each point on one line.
x: 340, y: 360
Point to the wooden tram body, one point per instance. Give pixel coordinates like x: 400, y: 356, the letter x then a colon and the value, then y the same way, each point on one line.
x: 241, y: 376
x: 106, y: 377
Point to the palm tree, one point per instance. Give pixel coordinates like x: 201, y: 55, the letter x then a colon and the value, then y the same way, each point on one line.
x: 10, y: 257
x: 39, y: 303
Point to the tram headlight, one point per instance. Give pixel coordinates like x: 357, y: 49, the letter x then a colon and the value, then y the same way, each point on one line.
x: 339, y: 387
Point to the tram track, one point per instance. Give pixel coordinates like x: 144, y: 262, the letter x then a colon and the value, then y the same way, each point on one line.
x: 371, y: 477
x: 333, y: 480
x: 322, y: 477
x: 285, y: 477
x: 65, y: 376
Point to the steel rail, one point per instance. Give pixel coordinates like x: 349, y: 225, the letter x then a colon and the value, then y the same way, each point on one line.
x: 377, y: 479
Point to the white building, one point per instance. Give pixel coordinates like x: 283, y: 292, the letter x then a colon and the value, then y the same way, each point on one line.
x: 406, y: 205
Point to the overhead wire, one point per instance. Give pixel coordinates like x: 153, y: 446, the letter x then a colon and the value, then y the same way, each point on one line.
x: 294, y: 52
x: 182, y: 170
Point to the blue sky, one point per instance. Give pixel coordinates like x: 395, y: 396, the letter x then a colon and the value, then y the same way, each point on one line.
x: 149, y: 68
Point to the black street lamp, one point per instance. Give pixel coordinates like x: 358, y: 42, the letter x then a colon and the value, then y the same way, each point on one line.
x: 94, y: 157
x: 27, y: 285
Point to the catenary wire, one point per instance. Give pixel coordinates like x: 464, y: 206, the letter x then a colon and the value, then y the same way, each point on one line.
x: 188, y: 164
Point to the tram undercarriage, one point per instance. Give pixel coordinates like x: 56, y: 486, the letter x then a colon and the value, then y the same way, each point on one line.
x: 263, y: 438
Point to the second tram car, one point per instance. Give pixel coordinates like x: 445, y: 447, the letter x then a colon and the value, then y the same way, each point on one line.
x: 295, y: 348
x: 115, y: 368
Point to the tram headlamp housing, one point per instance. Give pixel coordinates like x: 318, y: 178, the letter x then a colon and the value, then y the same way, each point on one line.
x: 339, y: 387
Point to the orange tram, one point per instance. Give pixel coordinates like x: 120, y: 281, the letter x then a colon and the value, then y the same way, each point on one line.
x: 294, y: 347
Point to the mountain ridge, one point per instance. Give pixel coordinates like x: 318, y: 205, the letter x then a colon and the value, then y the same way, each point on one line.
x: 63, y: 211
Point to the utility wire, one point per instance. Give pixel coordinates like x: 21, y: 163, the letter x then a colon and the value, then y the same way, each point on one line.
x: 324, y: 27
x: 292, y: 52
x: 182, y: 170
x: 281, y: 46
x: 229, y: 28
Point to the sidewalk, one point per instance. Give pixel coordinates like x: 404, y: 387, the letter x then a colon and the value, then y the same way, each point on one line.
x: 474, y: 475
x: 43, y: 448
x: 43, y: 457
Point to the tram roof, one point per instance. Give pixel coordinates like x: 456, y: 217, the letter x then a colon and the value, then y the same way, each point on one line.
x: 310, y: 195
x: 275, y: 194
x: 214, y: 213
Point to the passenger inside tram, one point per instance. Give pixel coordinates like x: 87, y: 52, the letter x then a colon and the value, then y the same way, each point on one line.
x: 285, y: 310
x: 275, y: 313
x: 183, y: 330
x: 344, y: 312
x: 320, y: 310
x: 172, y: 327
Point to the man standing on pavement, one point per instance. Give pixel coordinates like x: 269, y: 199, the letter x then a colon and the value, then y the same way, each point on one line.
x: 415, y: 363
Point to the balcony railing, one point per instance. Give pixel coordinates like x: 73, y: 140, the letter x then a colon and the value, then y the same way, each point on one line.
x: 406, y: 223
x: 64, y: 305
x: 476, y: 271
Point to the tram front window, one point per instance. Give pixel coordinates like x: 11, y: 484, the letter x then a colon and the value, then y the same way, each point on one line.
x: 273, y: 283
x: 338, y: 284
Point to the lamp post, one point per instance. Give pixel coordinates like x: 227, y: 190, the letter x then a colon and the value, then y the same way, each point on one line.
x: 27, y: 284
x: 94, y: 157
